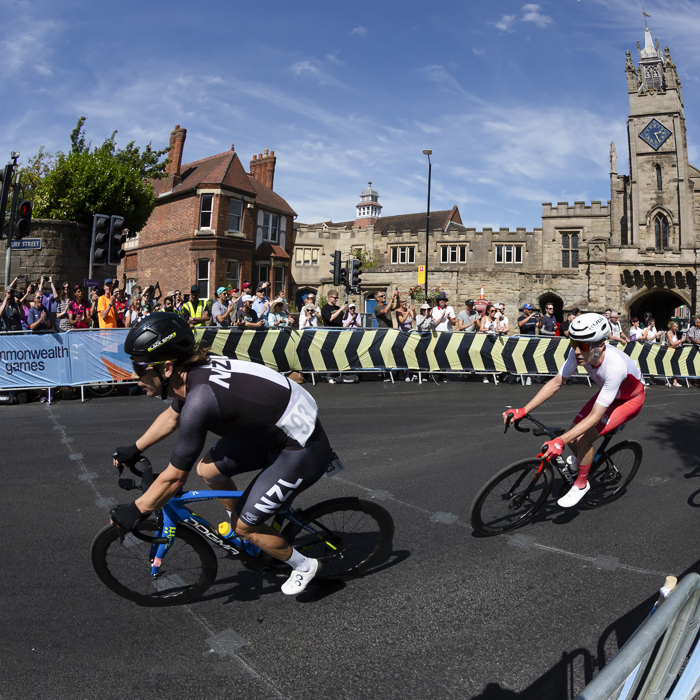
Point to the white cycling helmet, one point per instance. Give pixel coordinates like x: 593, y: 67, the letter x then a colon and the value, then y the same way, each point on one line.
x: 589, y: 328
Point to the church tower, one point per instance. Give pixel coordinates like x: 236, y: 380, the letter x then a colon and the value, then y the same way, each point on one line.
x: 654, y: 206
x: 369, y: 209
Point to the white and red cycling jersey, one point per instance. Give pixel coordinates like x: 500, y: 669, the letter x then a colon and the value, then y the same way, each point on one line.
x: 617, y: 376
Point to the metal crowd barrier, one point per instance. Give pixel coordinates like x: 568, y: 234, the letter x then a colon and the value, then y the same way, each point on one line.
x: 649, y: 663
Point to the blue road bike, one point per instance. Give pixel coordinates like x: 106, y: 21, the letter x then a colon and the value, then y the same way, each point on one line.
x: 169, y: 558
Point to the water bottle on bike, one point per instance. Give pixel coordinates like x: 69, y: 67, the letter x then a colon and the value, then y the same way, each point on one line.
x: 226, y: 531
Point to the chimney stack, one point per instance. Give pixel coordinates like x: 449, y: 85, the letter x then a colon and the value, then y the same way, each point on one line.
x: 177, y: 145
x: 262, y: 168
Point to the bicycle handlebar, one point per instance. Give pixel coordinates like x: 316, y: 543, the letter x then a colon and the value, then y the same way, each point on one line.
x: 147, y: 478
x: 516, y: 424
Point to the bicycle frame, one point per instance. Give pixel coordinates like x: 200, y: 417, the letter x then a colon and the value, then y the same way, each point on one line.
x: 557, y: 461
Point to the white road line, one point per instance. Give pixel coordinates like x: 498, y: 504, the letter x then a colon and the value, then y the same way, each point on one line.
x: 552, y: 550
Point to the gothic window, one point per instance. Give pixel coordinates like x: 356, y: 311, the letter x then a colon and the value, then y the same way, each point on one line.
x: 569, y: 250
x: 659, y: 181
x: 652, y: 78
x: 661, y: 232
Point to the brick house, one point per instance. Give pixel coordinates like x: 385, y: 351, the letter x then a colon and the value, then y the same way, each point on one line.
x: 213, y: 225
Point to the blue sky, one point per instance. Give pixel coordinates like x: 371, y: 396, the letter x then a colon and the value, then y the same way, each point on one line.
x: 518, y: 101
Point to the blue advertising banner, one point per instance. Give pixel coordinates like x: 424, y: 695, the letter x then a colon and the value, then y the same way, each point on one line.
x: 98, y: 356
x: 63, y: 359
x: 35, y: 360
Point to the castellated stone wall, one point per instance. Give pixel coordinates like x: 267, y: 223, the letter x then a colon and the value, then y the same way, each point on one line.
x: 64, y: 253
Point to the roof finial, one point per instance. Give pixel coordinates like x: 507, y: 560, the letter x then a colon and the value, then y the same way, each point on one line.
x: 370, y: 183
x: 645, y: 17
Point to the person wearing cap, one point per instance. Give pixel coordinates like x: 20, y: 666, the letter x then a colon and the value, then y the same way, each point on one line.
x: 278, y: 316
x: 221, y: 309
x: 245, y: 289
x: 246, y: 316
x: 106, y: 311
x: 444, y: 315
x: 528, y: 322
x: 352, y: 318
x: 468, y: 320
x: 195, y: 311
x: 424, y: 320
x: 261, y: 303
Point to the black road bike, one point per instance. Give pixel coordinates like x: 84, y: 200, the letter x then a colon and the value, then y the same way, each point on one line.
x: 513, y: 496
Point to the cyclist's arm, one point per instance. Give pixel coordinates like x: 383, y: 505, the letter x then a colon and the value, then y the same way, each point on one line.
x: 166, y: 424
x: 162, y: 489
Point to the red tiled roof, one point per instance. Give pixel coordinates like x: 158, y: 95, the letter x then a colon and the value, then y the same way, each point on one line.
x: 270, y: 250
x: 224, y: 169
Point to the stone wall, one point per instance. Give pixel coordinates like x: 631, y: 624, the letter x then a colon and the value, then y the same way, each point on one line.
x: 64, y: 253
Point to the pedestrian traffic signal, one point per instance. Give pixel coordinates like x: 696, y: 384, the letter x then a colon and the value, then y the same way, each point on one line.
x: 116, y: 240
x: 343, y: 281
x: 335, y: 270
x: 24, y: 219
x: 100, y: 239
x: 355, y: 267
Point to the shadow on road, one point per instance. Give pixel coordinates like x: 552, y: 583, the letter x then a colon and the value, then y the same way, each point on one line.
x: 575, y: 669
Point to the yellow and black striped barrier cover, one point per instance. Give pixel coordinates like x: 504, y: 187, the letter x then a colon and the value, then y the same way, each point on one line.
x: 330, y: 350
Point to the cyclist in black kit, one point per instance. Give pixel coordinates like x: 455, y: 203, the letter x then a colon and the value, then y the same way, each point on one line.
x: 265, y: 422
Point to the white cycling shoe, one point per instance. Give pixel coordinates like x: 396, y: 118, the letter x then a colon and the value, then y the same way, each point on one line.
x: 574, y: 496
x: 299, y: 580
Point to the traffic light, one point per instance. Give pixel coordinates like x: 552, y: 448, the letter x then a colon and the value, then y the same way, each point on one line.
x: 24, y: 219
x: 355, y: 271
x: 116, y: 240
x: 335, y: 270
x: 100, y: 239
x: 343, y: 280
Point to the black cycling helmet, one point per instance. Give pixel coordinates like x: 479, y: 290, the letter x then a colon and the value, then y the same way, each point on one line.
x: 158, y: 337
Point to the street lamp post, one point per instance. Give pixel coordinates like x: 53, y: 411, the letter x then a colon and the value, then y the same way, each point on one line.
x: 428, y: 153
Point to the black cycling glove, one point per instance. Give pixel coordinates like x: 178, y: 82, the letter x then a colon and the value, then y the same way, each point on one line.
x: 127, y: 516
x: 127, y: 455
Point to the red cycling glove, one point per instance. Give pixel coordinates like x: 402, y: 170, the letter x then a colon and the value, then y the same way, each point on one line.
x: 518, y: 413
x: 553, y: 448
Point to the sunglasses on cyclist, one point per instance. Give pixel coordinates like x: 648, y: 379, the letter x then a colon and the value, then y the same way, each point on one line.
x: 140, y: 368
x: 578, y: 344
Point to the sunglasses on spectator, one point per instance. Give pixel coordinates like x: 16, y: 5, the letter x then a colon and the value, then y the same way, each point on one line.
x: 578, y: 344
x: 140, y: 368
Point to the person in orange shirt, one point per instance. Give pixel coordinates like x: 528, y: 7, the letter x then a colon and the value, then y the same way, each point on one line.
x: 105, y: 307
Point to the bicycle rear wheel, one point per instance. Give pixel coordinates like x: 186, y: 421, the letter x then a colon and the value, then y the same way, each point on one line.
x: 611, y: 475
x: 353, y: 535
x: 189, y: 566
x: 511, y: 497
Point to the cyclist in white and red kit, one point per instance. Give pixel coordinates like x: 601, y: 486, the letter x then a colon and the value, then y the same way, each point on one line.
x: 620, y: 398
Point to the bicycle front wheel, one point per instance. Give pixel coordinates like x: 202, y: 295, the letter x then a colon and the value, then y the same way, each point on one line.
x: 189, y: 567
x: 352, y: 535
x: 511, y: 497
x: 613, y: 472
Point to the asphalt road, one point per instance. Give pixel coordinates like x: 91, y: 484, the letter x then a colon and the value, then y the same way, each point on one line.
x: 447, y: 615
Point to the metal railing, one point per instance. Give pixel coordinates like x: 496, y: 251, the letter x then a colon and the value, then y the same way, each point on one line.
x: 648, y: 664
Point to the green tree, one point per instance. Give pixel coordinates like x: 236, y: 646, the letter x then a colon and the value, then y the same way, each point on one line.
x: 101, y: 180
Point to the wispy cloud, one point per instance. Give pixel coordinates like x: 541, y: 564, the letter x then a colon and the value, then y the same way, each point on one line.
x: 359, y: 31
x: 317, y: 71
x: 505, y: 24
x: 478, y: 52
x: 531, y: 13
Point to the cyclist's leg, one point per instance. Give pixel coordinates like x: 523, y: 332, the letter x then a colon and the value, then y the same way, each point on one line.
x: 224, y: 460
x: 289, y: 473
